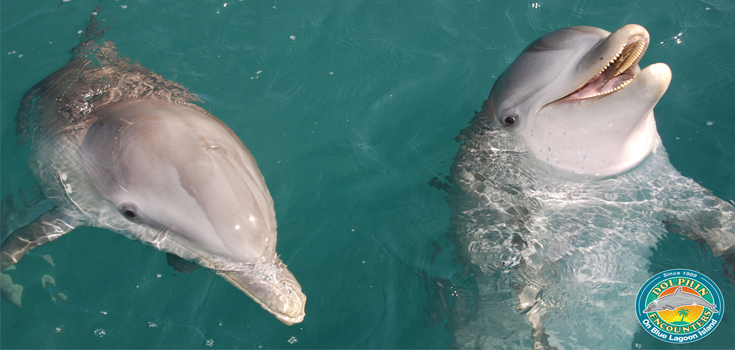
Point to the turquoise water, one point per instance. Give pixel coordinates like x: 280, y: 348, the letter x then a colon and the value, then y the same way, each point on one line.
x: 350, y: 108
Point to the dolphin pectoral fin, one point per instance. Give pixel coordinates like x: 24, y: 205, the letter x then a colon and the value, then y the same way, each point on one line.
x: 535, y: 310
x: 673, y: 226
x: 729, y: 256
x: 711, y: 222
x: 180, y: 264
x: 527, y: 297
x: 273, y: 287
x: 46, y: 228
x: 537, y: 316
x: 669, y: 307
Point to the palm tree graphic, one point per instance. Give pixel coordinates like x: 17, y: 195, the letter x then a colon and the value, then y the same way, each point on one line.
x: 684, y: 313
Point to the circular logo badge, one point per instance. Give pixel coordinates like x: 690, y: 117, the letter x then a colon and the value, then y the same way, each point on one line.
x: 679, y: 306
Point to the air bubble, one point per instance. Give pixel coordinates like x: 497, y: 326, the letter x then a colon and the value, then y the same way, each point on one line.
x: 99, y: 332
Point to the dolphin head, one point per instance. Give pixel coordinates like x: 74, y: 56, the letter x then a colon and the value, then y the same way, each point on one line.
x: 174, y: 171
x: 579, y: 101
x: 652, y: 306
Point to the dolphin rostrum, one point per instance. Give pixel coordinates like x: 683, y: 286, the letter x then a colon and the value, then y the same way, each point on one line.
x: 117, y: 146
x: 678, y: 299
x: 562, y: 189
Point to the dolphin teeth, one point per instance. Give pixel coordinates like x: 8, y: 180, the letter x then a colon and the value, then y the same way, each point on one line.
x: 617, y: 73
x: 622, y: 85
x: 629, y: 60
x: 633, y: 58
x: 613, y: 60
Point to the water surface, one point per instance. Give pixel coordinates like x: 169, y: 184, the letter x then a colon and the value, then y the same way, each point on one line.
x: 350, y: 108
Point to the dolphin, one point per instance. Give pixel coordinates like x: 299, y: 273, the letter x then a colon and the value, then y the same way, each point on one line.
x: 561, y: 189
x: 117, y: 146
x: 678, y: 299
x: 592, y: 115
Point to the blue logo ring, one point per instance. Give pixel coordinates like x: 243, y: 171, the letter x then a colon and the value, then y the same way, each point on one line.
x: 676, y: 293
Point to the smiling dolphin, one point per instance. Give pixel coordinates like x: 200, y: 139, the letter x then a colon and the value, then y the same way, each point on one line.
x: 563, y: 189
x: 588, y: 108
x: 678, y: 299
x: 117, y: 146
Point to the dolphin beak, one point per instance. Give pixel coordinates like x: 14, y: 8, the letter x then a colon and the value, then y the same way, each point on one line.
x: 637, y: 98
x: 650, y: 307
x: 272, y: 286
x: 610, y: 65
x: 656, y: 76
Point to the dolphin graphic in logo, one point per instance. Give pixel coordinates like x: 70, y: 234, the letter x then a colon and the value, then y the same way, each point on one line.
x: 678, y: 299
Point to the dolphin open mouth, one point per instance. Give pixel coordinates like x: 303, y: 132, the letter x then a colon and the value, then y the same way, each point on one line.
x: 619, y: 71
x: 578, y: 101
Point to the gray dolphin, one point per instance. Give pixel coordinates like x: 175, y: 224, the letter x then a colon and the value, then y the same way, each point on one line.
x: 117, y: 146
x: 678, y: 299
x: 588, y: 108
x: 562, y: 189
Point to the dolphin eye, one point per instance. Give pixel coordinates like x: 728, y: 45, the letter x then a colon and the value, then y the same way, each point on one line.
x: 129, y: 211
x: 510, y: 120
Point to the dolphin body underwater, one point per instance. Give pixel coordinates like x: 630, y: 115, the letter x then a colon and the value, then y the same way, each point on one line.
x: 562, y: 189
x: 117, y: 146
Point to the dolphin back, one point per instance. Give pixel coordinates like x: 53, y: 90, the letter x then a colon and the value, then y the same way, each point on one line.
x: 96, y: 77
